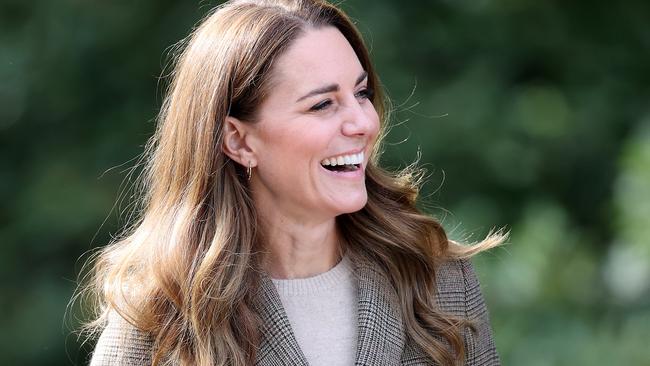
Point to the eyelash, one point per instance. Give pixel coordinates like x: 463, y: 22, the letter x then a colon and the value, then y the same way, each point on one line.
x: 365, y: 93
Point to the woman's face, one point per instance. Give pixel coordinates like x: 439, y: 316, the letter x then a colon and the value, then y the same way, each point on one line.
x: 317, y: 113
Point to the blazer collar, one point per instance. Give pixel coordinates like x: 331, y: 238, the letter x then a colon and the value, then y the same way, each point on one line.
x: 278, y: 346
x: 381, y: 335
x: 380, y: 330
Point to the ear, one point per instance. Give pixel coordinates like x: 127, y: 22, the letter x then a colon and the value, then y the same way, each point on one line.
x: 235, y: 134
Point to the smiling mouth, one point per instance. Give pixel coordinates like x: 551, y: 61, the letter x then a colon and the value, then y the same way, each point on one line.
x: 343, y: 163
x: 343, y: 168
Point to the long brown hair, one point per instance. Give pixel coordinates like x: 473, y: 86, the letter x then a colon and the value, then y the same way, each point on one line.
x: 184, y: 270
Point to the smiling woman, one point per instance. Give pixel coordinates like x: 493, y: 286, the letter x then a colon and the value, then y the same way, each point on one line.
x: 269, y: 235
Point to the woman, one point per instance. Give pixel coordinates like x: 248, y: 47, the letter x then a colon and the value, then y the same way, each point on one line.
x: 268, y: 234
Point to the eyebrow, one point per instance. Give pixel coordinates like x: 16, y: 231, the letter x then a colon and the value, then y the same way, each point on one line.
x: 331, y: 88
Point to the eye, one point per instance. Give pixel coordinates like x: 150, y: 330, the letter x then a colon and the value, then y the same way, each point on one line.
x: 320, y: 106
x: 365, y: 93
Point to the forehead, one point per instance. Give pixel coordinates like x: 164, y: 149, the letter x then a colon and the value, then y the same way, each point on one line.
x: 319, y: 56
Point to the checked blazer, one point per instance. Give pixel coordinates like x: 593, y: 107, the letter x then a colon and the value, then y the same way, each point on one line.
x: 381, y: 336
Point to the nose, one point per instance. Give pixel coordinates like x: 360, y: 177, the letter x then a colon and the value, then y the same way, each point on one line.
x: 359, y: 119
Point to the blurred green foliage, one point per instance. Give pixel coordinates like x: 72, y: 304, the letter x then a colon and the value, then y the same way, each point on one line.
x: 533, y: 115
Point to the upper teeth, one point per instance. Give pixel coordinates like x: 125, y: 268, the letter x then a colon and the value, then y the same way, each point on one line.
x: 343, y: 159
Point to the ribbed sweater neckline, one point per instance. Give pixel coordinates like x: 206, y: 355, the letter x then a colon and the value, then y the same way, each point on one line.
x: 340, y: 273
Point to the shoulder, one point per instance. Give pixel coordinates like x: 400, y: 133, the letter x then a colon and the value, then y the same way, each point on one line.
x: 458, y: 289
x: 121, y: 343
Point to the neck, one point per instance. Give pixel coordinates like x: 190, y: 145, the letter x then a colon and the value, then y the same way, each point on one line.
x: 296, y: 249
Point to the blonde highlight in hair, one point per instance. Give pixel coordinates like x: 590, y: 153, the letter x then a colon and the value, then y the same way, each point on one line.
x: 186, y: 270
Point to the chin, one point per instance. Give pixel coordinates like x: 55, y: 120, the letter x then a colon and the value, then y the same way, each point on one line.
x: 352, y: 205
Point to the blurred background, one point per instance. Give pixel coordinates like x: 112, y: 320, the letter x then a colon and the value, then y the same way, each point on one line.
x: 529, y: 115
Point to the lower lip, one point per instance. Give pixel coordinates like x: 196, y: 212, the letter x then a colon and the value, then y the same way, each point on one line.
x: 356, y: 174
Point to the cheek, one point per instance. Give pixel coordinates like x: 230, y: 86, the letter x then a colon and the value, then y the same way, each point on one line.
x: 290, y: 147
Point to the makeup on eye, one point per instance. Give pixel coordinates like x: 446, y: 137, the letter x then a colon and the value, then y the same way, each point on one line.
x: 365, y: 93
x: 332, y: 87
x: 320, y: 106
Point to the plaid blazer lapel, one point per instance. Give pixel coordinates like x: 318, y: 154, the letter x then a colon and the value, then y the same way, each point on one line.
x: 381, y: 337
x: 278, y: 345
